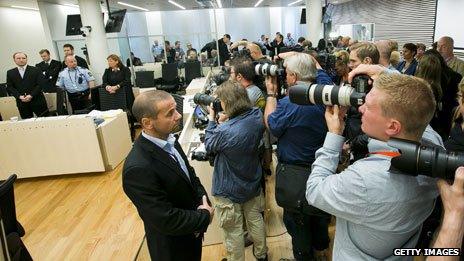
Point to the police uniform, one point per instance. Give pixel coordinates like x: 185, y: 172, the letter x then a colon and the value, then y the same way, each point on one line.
x: 76, y: 83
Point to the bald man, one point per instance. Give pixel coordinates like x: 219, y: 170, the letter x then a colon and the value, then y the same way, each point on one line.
x: 445, y: 46
x: 25, y: 83
x: 385, y: 48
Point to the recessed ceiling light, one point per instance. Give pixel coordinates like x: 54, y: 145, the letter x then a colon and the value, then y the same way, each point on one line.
x: 25, y: 7
x: 133, y: 6
x: 176, y: 4
x: 258, y: 3
x: 296, y: 2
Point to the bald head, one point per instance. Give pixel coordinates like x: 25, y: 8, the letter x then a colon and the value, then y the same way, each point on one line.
x: 445, y: 46
x: 255, y: 51
x: 146, y: 104
x: 385, y: 47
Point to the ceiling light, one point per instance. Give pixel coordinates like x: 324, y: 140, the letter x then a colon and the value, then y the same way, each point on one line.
x: 219, y: 3
x: 25, y: 7
x: 71, y: 5
x: 133, y: 6
x: 176, y: 4
x: 296, y: 2
x: 259, y: 2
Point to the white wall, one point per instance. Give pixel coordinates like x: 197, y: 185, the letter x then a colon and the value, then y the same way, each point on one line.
x: 449, y: 21
x: 25, y: 34
x: 249, y: 23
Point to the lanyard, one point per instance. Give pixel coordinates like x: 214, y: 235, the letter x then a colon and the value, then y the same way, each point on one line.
x: 391, y: 154
x: 75, y: 76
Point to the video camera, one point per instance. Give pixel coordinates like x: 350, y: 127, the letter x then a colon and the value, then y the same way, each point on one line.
x: 345, y: 95
x: 432, y: 161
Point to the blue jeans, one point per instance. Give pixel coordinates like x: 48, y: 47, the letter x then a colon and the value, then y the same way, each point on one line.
x: 308, y: 233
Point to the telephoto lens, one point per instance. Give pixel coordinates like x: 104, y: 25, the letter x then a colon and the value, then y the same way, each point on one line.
x: 428, y: 160
x: 303, y: 94
x: 267, y: 69
x: 203, y: 99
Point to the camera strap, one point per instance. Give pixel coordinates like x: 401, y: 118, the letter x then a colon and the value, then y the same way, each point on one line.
x: 391, y: 154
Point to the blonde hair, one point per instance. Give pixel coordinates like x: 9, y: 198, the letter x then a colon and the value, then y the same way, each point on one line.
x: 234, y: 97
x: 395, y: 58
x: 409, y: 100
x: 364, y: 50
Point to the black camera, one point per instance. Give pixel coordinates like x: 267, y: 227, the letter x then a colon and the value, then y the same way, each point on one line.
x: 222, y: 76
x: 206, y: 100
x: 241, y: 53
x: 429, y: 160
x: 200, y: 153
x: 268, y: 69
x: 353, y: 95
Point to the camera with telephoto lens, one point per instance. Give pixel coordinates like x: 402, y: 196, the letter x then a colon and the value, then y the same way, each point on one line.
x: 206, y: 100
x: 430, y: 160
x: 277, y: 70
x: 354, y: 95
x: 222, y: 76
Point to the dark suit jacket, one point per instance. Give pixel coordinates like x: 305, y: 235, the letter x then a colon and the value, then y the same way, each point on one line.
x: 50, y: 73
x: 30, y: 84
x: 81, y: 62
x: 166, y: 200
x: 123, y: 78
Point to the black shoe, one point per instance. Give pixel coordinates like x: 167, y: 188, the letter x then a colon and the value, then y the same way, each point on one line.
x: 262, y: 259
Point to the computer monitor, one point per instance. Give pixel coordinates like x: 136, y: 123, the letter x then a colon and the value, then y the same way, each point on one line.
x: 303, y: 16
x: 115, y: 21
x: 328, y: 12
x: 73, y: 24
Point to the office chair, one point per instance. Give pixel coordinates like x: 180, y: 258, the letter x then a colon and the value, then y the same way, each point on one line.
x: 179, y: 108
x: 112, y: 101
x: 171, y: 82
x: 3, y: 91
x: 192, y: 71
x: 145, y: 79
x: 8, y: 208
x: 60, y: 103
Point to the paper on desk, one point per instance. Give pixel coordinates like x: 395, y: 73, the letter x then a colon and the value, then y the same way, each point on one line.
x: 105, y: 114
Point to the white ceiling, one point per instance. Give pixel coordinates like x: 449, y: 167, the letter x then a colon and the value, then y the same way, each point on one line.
x: 164, y: 5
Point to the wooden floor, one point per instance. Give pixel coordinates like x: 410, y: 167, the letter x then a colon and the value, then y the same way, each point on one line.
x: 88, y: 217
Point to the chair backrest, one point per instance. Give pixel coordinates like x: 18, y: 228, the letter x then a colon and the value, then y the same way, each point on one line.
x: 112, y: 101
x: 7, y: 206
x: 192, y: 71
x: 145, y: 79
x: 3, y: 91
x: 169, y: 73
x: 179, y: 108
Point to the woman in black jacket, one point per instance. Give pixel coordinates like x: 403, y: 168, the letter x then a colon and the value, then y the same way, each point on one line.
x: 117, y: 78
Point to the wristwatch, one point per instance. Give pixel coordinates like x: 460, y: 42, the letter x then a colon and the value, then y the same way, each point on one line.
x: 272, y: 95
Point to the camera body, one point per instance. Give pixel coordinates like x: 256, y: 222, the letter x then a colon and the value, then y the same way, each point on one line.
x: 353, y: 95
x: 206, y: 100
x: 85, y: 30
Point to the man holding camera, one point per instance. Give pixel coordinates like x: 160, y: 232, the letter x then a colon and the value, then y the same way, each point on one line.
x: 300, y: 131
x: 243, y: 71
x: 378, y: 209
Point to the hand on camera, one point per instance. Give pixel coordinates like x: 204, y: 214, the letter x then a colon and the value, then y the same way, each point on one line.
x: 212, y: 113
x: 271, y: 84
x: 335, y: 118
x: 206, y: 206
x: 371, y: 70
x: 452, y: 196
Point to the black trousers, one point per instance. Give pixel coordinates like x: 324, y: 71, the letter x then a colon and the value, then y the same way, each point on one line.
x: 79, y: 100
x: 37, y: 105
x: 308, y: 233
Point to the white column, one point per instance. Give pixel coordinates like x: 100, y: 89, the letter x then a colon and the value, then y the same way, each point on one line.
x: 313, y: 20
x: 97, y: 46
x: 46, y: 27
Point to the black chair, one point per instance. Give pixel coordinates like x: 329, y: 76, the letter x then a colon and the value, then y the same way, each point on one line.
x: 192, y: 70
x: 145, y: 79
x: 179, y: 108
x: 8, y: 208
x: 60, y: 103
x: 3, y: 91
x: 112, y: 101
x: 170, y: 78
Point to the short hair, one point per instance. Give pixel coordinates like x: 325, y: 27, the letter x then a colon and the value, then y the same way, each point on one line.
x: 167, y: 42
x: 44, y: 51
x: 301, y: 39
x: 227, y: 36
x: 114, y: 57
x: 302, y: 65
x: 280, y: 36
x: 244, y: 66
x: 14, y: 55
x: 421, y: 46
x: 146, y: 104
x: 448, y: 40
x: 395, y: 58
x: 234, y: 97
x: 176, y: 42
x: 394, y: 45
x: 69, y: 46
x: 385, y: 48
x: 364, y: 50
x: 409, y: 100
x: 66, y: 56
x: 411, y: 47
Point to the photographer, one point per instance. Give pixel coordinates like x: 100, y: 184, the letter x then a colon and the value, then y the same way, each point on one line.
x: 276, y: 45
x: 243, y: 71
x: 378, y: 209
x: 300, y: 131
x: 237, y: 170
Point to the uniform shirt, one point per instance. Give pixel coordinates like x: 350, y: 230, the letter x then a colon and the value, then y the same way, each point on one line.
x: 68, y: 79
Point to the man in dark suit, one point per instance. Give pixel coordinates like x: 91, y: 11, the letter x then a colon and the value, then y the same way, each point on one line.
x: 159, y: 180
x: 68, y: 49
x: 50, y: 69
x: 25, y: 84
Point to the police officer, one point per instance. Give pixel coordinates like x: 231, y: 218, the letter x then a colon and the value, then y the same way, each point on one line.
x: 76, y: 81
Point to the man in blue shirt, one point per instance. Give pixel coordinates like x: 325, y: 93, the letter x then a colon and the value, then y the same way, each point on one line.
x: 300, y: 131
x: 77, y: 82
